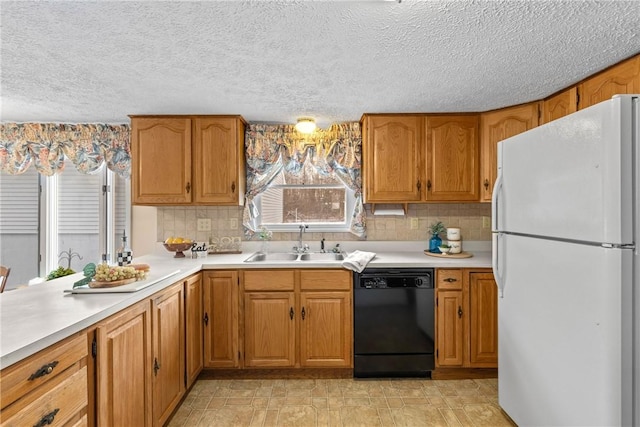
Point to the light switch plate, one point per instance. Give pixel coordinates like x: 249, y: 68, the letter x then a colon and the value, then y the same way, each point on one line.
x: 414, y: 223
x: 204, y: 224
x: 486, y: 222
x: 234, y: 223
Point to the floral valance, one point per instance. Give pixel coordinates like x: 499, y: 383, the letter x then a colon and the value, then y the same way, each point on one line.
x: 273, y: 148
x: 88, y: 146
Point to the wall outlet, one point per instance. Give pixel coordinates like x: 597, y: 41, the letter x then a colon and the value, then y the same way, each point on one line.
x: 414, y: 223
x: 486, y: 222
x: 204, y: 224
x: 234, y: 223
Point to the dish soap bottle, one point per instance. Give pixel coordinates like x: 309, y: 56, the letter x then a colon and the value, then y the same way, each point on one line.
x: 124, y: 254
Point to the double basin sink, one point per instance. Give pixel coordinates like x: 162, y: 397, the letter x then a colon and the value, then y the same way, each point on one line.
x: 291, y: 257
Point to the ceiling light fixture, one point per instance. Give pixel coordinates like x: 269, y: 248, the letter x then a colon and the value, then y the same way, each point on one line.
x: 306, y: 125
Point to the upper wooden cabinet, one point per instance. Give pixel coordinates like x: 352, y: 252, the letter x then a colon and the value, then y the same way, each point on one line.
x: 623, y: 78
x: 420, y: 158
x: 187, y: 160
x: 560, y: 105
x: 496, y: 126
x: 453, y: 159
x: 161, y: 160
x: 392, y: 165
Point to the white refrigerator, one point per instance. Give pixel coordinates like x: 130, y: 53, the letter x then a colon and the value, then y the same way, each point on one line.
x: 566, y: 231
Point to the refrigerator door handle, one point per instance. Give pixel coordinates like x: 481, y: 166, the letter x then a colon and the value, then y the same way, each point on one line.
x: 495, y: 253
x: 497, y: 187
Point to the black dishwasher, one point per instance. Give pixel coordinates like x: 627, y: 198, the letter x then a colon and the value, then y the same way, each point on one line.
x: 393, y: 323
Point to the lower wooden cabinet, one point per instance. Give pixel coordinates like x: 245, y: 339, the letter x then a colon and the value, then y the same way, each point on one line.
x: 221, y: 326
x: 194, y: 327
x: 48, y: 388
x: 466, y: 318
x: 167, y: 321
x: 298, y: 318
x: 124, y: 368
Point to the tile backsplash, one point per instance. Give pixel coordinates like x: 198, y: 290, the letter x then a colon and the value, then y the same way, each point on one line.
x: 227, y: 221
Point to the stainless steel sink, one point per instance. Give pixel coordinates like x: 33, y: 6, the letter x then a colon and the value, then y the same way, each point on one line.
x: 288, y: 256
x: 273, y: 256
x: 322, y: 257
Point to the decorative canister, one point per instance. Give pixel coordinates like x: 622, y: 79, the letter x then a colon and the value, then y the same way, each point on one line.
x: 456, y: 246
x: 453, y: 233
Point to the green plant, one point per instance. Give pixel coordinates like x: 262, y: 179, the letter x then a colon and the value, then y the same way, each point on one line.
x: 437, y: 228
x: 444, y: 245
x: 59, y: 272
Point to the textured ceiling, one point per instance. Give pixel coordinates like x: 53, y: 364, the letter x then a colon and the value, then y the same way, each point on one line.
x: 274, y: 61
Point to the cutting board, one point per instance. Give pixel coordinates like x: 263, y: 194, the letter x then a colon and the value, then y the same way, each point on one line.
x: 112, y: 284
x: 460, y: 255
x: 130, y: 287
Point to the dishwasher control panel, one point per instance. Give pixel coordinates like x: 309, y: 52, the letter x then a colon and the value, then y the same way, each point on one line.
x: 383, y: 279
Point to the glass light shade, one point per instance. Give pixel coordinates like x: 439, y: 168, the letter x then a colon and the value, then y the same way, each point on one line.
x: 306, y: 125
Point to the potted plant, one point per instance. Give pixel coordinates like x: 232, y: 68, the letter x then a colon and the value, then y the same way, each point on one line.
x: 436, y: 229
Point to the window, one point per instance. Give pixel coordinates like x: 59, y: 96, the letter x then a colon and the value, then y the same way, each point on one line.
x: 71, y: 211
x: 306, y: 196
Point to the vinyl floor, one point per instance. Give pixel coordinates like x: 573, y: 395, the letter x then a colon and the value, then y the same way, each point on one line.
x: 341, y: 402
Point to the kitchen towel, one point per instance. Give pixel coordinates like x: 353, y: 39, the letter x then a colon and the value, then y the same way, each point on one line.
x: 358, y: 260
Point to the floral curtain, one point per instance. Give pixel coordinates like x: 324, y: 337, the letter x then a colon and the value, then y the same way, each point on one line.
x: 272, y: 148
x: 88, y: 146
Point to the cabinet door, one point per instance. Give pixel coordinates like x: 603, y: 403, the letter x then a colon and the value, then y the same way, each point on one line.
x: 124, y: 368
x: 452, y: 158
x: 483, y: 320
x: 560, y: 105
x: 167, y: 310
x: 161, y: 160
x: 325, y: 329
x: 496, y: 126
x: 450, y: 328
x: 269, y: 329
x: 219, y: 160
x: 194, y: 336
x: 221, y: 319
x: 623, y: 78
x: 392, y: 170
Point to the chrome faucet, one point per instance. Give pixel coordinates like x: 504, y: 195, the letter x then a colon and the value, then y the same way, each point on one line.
x: 301, y: 248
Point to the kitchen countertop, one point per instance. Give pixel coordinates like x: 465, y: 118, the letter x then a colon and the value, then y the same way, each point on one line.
x: 38, y: 316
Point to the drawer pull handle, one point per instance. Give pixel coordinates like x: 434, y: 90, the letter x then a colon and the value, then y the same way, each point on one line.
x: 303, y: 313
x: 450, y: 280
x: 459, y: 312
x: 291, y: 313
x: 233, y: 187
x: 45, y: 370
x: 47, y: 419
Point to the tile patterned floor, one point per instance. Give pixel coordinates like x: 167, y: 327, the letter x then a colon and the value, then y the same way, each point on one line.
x: 342, y: 402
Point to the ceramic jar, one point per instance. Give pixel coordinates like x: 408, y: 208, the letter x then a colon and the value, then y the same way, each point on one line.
x: 453, y: 233
x: 455, y: 245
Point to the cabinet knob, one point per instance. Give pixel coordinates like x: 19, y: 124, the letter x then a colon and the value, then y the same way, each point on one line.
x: 486, y: 184
x: 450, y: 280
x: 459, y: 312
x: 156, y: 366
x: 47, y: 419
x: 233, y: 187
x: 291, y: 313
x: 429, y: 184
x: 418, y: 185
x: 188, y: 187
x: 206, y: 319
x: 44, y: 370
x: 303, y: 313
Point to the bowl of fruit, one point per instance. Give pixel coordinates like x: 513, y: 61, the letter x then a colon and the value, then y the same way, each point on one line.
x: 177, y: 245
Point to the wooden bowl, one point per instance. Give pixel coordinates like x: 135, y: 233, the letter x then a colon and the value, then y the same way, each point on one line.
x: 178, y: 248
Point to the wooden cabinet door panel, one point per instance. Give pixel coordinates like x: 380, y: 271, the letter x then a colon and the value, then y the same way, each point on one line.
x: 452, y: 158
x: 167, y: 321
x: 392, y: 150
x: 269, y: 329
x: 124, y: 363
x: 450, y: 328
x: 560, y: 105
x: 216, y: 160
x: 483, y: 303
x: 325, y: 329
x: 221, y: 309
x: 623, y: 78
x: 161, y: 160
x: 496, y: 126
x: 194, y: 327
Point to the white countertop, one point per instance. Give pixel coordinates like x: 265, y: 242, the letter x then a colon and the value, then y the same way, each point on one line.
x: 36, y: 317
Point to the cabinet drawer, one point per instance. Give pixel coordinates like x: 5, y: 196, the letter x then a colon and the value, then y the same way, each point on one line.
x: 21, y: 378
x: 271, y: 280
x: 325, y: 280
x: 62, y: 399
x: 448, y: 279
